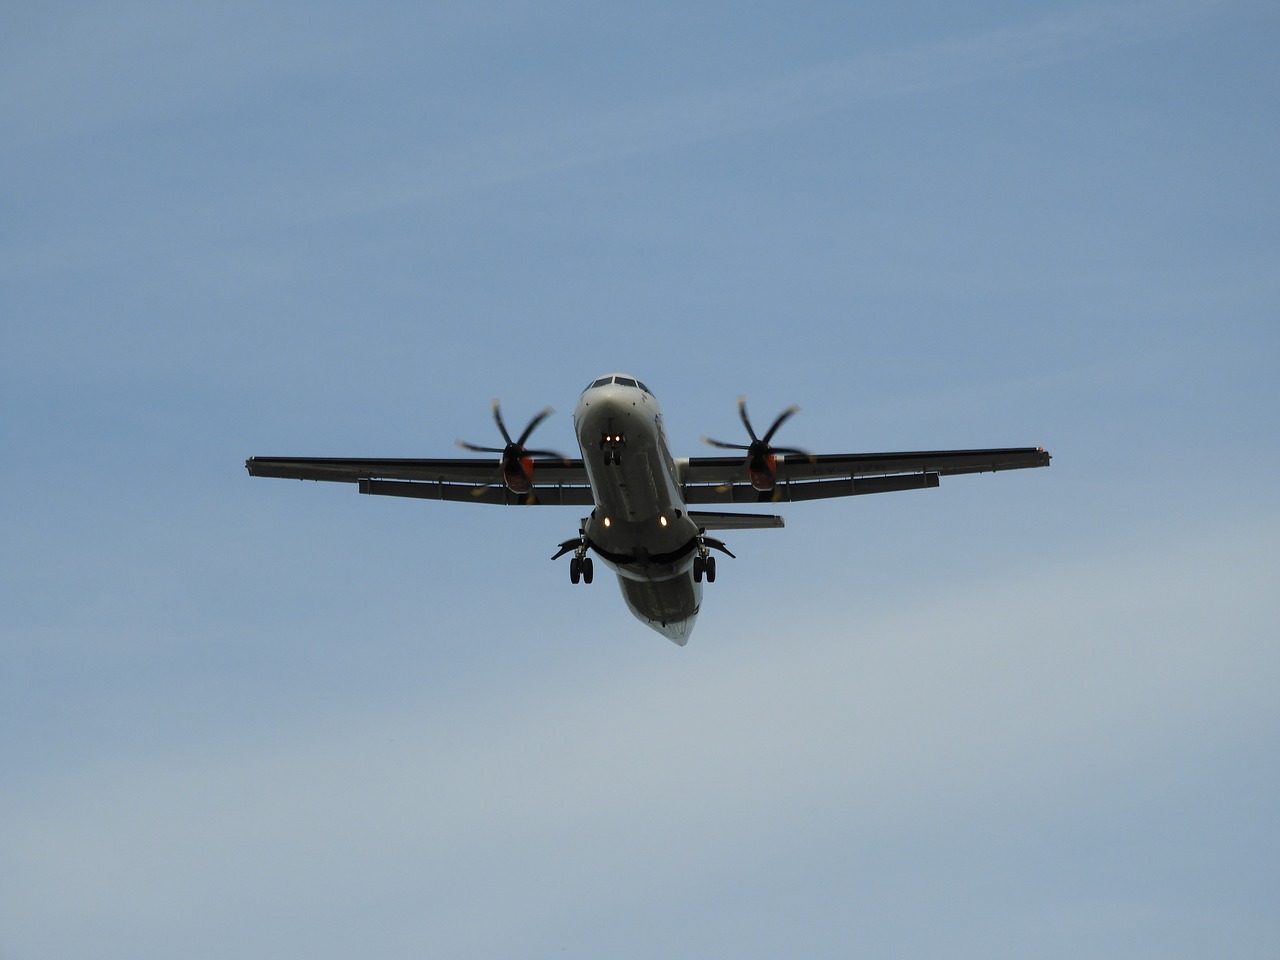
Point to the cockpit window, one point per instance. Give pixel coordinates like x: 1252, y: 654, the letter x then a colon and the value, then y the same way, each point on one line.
x: 621, y: 381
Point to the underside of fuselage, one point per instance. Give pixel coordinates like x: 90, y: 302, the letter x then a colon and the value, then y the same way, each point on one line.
x: 669, y: 606
x: 640, y: 526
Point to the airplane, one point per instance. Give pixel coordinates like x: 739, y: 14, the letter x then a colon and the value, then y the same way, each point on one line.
x: 641, y: 525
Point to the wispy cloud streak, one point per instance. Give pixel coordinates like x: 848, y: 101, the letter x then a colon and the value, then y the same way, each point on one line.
x: 551, y: 137
x: 548, y: 145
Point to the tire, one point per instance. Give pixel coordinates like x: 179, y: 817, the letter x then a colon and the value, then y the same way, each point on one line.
x: 575, y: 569
x: 711, y: 569
x: 588, y: 570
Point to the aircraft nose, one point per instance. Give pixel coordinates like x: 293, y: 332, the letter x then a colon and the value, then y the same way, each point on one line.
x: 605, y: 401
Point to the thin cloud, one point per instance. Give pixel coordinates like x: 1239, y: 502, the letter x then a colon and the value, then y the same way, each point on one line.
x: 1023, y: 718
x: 545, y: 141
x: 548, y: 146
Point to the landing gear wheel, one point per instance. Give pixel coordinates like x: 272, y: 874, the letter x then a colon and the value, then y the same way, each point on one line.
x: 575, y: 570
x: 588, y: 570
x: 711, y: 569
x: 699, y: 566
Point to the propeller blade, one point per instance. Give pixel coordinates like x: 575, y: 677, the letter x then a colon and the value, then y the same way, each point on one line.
x: 511, y: 471
x: 514, y: 446
x: 761, y: 453
x: 724, y: 446
x: 497, y: 418
x: 537, y: 419
x: 782, y: 418
x: 471, y: 446
x: 746, y: 421
x: 495, y: 480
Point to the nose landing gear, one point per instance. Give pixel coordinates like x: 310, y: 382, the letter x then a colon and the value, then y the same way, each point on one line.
x: 612, y: 444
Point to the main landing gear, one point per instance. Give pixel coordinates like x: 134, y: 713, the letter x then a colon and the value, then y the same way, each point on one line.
x: 581, y: 568
x: 704, y: 566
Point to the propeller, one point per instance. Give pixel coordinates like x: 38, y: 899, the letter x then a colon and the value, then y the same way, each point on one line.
x: 761, y: 454
x: 515, y: 465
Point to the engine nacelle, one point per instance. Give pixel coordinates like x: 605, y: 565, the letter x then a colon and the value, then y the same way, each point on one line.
x: 762, y: 469
x: 517, y: 474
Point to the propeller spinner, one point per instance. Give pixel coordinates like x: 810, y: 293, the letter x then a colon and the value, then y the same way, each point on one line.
x: 515, y: 465
x: 762, y: 456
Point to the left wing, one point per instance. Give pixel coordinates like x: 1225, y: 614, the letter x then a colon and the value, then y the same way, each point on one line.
x: 800, y: 477
x: 467, y: 480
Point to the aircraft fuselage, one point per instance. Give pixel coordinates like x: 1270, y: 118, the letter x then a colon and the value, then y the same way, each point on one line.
x: 640, y: 526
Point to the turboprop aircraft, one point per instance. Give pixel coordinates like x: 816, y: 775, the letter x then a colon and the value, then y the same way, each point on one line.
x: 641, y: 525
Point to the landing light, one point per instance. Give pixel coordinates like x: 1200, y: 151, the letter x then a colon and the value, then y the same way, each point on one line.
x: 606, y: 521
x: 663, y: 521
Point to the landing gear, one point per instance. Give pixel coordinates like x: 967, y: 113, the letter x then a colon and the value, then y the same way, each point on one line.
x: 581, y: 568
x: 612, y: 444
x: 704, y: 564
x: 704, y: 567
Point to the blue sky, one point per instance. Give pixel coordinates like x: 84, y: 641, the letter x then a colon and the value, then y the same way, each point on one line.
x: 1030, y: 714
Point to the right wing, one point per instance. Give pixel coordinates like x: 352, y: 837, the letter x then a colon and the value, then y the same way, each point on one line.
x: 466, y: 480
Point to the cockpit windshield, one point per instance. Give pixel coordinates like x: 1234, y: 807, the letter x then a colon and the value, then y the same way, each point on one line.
x: 620, y: 381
